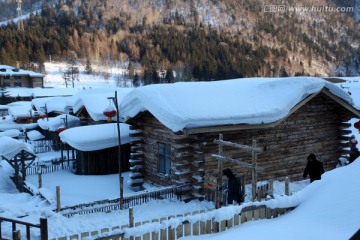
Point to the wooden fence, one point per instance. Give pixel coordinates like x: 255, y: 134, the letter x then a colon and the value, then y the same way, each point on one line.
x: 166, y: 229
x: 43, y: 226
x: 41, y: 146
x: 128, y: 201
x: 54, y: 167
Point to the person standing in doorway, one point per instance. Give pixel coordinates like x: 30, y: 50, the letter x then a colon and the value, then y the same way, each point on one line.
x: 313, y: 168
x: 233, y: 185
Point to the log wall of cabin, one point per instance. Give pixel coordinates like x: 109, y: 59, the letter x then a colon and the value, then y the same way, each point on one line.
x: 314, y: 128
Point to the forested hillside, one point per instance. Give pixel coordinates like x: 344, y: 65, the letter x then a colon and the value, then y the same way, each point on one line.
x: 195, y: 39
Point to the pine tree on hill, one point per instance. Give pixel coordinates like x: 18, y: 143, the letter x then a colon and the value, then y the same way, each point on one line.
x: 4, y: 95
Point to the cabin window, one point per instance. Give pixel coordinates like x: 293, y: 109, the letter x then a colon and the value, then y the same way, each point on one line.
x: 17, y: 84
x: 164, y: 158
x: 17, y: 77
x: 7, y: 84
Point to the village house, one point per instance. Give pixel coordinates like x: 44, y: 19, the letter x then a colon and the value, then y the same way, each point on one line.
x: 96, y: 148
x: 289, y: 118
x: 96, y: 112
x: 15, y: 77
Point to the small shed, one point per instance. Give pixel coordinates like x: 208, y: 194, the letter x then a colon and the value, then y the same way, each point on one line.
x: 97, y: 148
x: 288, y: 117
x: 19, y: 155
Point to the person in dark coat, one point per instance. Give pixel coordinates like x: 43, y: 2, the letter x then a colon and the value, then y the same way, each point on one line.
x: 233, y: 187
x: 314, y: 168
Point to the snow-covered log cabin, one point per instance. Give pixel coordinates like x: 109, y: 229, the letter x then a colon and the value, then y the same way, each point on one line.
x: 288, y: 117
x: 15, y: 77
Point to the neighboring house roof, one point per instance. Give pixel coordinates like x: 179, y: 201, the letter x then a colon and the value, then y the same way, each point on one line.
x: 20, y: 111
x: 10, y: 147
x: 250, y: 101
x: 6, y: 70
x: 96, y: 102
x: 53, y: 104
x: 41, y: 92
x: 96, y: 137
x: 54, y: 123
x: 14, y: 133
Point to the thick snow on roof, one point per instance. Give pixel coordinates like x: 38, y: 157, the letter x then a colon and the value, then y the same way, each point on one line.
x: 11, y: 71
x: 96, y: 137
x: 18, y: 126
x: 10, y: 147
x: 4, y: 107
x: 53, y: 104
x: 239, y: 101
x: 52, y: 124
x: 35, y: 135
x: 41, y: 92
x: 14, y: 133
x: 20, y: 111
x: 96, y: 102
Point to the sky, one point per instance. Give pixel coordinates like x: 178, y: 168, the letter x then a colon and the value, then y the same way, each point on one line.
x: 325, y: 209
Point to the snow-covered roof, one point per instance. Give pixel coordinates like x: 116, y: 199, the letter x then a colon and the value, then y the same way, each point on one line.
x: 41, y: 92
x: 19, y: 126
x: 20, y: 111
x: 53, y: 104
x: 96, y: 102
x: 10, y: 147
x: 186, y: 105
x: 96, y: 137
x: 4, y: 107
x: 35, y: 135
x: 14, y: 133
x: 6, y: 70
x: 53, y: 124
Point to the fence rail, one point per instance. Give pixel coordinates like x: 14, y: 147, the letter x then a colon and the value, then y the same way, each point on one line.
x: 43, y: 226
x: 49, y: 168
x: 128, y: 201
x: 164, y: 228
x: 41, y: 146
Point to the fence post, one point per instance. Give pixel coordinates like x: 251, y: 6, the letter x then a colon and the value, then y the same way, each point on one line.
x: 44, y: 228
x: 16, y: 235
x: 58, y: 199
x: 271, y: 187
x: 39, y: 177
x: 287, y: 191
x: 131, y: 219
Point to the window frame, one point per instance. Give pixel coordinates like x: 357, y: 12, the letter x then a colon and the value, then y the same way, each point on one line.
x: 164, y: 159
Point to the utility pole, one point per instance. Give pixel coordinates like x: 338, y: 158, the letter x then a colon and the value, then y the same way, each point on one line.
x: 121, y: 178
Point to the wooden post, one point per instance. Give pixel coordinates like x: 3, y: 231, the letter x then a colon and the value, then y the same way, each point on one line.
x: 242, y: 181
x: 44, y: 228
x: 131, y: 219
x: 219, y: 180
x: 40, y: 178
x: 23, y: 167
x: 287, y: 182
x: 16, y: 235
x: 271, y: 187
x: 121, y: 192
x: 62, y: 151
x: 58, y: 205
x: 253, y: 171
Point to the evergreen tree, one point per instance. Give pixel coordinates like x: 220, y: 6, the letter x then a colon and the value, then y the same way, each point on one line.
x: 136, y: 80
x: 4, y: 95
x: 169, y: 77
x: 88, y: 68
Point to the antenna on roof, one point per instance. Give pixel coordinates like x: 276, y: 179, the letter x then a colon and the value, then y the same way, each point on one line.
x: 20, y: 24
